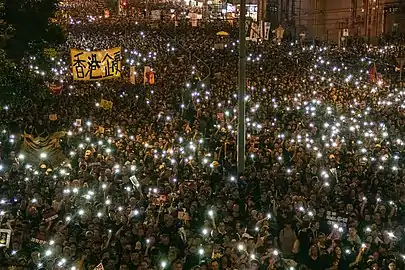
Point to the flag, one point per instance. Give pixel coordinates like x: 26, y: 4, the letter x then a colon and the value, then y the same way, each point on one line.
x: 148, y: 76
x: 372, y: 74
x: 132, y: 74
x: 279, y: 33
x: 188, y: 128
x: 151, y: 78
x: 146, y: 71
x: 99, y: 267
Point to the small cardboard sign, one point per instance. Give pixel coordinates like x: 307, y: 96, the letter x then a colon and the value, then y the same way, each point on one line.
x: 50, y: 214
x: 5, y: 236
x: 183, y: 215
x: 332, y: 218
x: 159, y: 200
x: 38, y: 241
x: 39, y: 238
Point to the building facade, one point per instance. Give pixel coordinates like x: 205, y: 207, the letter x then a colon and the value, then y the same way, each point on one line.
x: 331, y: 19
x: 394, y: 17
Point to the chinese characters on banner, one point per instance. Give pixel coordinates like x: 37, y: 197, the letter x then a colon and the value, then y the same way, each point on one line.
x: 96, y: 65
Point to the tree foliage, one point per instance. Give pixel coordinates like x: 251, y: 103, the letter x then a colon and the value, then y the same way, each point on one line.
x: 29, y: 27
x: 17, y: 81
x: 26, y: 29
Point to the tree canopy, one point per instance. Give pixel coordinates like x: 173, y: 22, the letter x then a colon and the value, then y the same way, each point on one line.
x: 26, y: 29
x: 29, y: 27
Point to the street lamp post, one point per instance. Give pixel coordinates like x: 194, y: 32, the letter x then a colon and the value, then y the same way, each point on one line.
x: 242, y: 88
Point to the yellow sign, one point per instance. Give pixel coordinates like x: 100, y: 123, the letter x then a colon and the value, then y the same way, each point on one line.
x: 100, y: 130
x: 96, y: 65
x: 106, y: 104
x: 51, y: 52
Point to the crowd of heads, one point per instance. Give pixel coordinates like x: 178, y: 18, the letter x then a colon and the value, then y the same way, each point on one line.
x: 152, y: 183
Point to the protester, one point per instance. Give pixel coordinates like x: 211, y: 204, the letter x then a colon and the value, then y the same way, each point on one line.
x: 152, y: 182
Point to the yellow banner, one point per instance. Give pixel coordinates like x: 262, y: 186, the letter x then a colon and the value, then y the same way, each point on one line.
x: 96, y: 65
x: 33, y: 146
x: 38, y: 143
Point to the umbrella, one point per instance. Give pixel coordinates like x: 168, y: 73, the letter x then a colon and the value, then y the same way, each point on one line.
x: 222, y: 33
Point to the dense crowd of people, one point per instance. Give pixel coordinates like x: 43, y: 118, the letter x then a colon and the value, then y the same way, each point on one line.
x: 152, y: 183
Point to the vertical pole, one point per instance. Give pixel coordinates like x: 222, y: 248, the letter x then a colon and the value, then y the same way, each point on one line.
x: 377, y: 18
x: 315, y: 21
x: 340, y: 38
x: 259, y: 11
x: 293, y: 19
x: 264, y: 10
x: 242, y: 88
x: 366, y: 21
x: 280, y: 5
x: 299, y: 19
x: 147, y: 10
